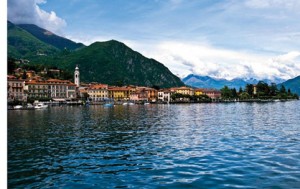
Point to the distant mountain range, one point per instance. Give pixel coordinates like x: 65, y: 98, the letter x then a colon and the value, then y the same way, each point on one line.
x: 293, y: 84
x: 109, y: 62
x: 209, y: 82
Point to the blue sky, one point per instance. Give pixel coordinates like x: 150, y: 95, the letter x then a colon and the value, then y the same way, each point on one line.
x: 219, y: 38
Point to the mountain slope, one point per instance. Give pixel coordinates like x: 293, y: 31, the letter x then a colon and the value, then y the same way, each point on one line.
x: 209, y: 82
x: 21, y: 44
x: 50, y: 38
x: 293, y: 84
x: 112, y: 62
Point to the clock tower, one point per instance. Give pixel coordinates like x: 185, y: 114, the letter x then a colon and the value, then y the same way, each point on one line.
x: 76, y: 76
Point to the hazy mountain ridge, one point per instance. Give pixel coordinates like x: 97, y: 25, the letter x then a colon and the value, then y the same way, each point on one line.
x: 293, y: 84
x: 210, y: 82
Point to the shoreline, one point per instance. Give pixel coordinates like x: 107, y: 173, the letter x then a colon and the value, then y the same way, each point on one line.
x: 179, y: 102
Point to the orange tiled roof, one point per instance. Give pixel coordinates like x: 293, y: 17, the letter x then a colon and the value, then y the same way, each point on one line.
x: 99, y: 86
x: 119, y: 88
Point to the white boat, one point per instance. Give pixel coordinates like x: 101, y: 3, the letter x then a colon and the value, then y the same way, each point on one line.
x: 40, y: 106
x: 17, y: 107
x: 125, y: 103
x: 130, y: 103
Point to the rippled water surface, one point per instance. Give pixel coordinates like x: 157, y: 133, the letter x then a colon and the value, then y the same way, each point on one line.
x: 234, y: 145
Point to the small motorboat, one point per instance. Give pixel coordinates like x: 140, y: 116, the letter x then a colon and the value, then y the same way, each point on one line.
x: 18, y: 107
x: 40, y: 106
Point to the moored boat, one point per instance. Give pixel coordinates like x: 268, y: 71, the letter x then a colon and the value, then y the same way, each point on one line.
x: 18, y: 107
x: 40, y: 106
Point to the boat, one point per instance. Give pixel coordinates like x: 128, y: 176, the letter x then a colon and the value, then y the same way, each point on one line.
x: 130, y: 103
x: 29, y: 107
x: 40, y: 106
x: 125, y: 103
x: 108, y: 105
x: 18, y: 107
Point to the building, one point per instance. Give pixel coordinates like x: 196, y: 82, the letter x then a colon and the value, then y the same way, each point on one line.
x: 51, y: 88
x: 63, y: 89
x: 198, y: 92
x: 77, y: 76
x: 254, y: 89
x: 98, y: 92
x: 119, y: 93
x: 152, y: 94
x: 183, y: 90
x: 140, y: 94
x: 164, y: 95
x: 30, y: 74
x: 212, y: 93
x: 15, y: 89
x: 37, y: 89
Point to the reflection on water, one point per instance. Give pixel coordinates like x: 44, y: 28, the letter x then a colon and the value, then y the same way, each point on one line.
x: 246, y: 145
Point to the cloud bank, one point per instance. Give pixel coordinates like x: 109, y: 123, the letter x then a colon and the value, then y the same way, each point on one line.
x: 202, y: 59
x: 29, y: 12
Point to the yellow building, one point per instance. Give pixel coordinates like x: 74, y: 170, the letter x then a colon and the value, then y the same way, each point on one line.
x: 198, y: 92
x: 183, y: 90
x: 119, y: 93
x: 98, y: 92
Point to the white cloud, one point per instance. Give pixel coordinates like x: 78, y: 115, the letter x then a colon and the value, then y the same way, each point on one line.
x: 29, y: 12
x: 282, y: 4
x: 183, y: 58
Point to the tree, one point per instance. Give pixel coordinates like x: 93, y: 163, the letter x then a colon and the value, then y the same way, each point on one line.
x: 155, y: 87
x: 282, y: 89
x: 244, y: 96
x: 249, y: 89
x: 262, y: 88
x: 11, y: 65
x: 273, y: 89
x: 234, y: 93
x: 226, y: 92
x: 24, y: 75
x: 240, y: 90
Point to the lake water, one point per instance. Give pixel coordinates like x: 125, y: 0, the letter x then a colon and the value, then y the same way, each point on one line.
x: 216, y: 145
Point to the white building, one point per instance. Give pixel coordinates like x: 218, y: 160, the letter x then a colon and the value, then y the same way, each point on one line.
x: 164, y: 95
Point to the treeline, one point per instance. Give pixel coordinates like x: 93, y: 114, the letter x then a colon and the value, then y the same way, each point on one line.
x: 178, y: 97
x: 260, y: 91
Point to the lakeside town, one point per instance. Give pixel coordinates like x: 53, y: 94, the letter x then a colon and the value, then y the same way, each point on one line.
x: 35, y: 89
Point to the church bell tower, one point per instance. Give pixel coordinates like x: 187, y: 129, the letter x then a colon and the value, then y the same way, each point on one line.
x: 76, y: 76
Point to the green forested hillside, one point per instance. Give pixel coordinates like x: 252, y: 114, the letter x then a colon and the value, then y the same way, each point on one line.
x: 22, y: 44
x: 50, y: 38
x: 114, y: 63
